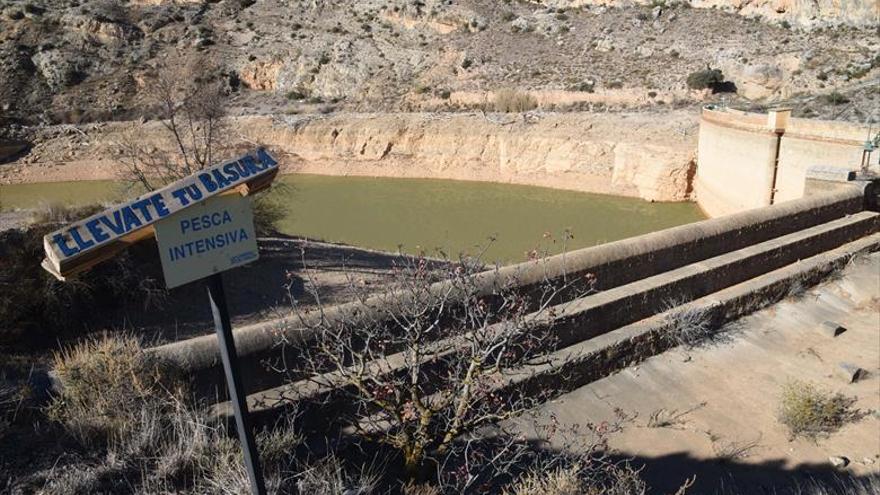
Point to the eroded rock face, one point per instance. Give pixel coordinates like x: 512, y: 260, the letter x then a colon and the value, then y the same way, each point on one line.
x: 99, y: 30
x: 658, y: 173
x: 805, y: 13
x: 760, y: 81
x: 580, y: 152
x: 58, y: 68
x: 261, y: 75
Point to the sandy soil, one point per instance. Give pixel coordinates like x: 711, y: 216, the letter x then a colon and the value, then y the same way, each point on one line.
x: 721, y: 400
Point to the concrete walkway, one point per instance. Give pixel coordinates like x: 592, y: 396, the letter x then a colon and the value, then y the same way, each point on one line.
x: 720, y: 402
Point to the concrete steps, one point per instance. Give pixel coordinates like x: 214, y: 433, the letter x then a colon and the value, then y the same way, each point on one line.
x: 614, y: 265
x: 569, y: 368
x: 587, y: 329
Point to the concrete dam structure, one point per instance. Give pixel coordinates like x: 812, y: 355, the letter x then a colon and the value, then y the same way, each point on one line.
x: 748, y: 160
x: 722, y: 269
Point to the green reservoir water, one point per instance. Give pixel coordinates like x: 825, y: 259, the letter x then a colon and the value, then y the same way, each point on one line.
x: 422, y: 215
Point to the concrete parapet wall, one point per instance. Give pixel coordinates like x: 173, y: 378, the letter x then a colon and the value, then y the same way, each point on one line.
x: 593, y: 354
x: 601, y: 356
x: 812, y: 143
x: 746, y: 160
x: 612, y: 264
x: 735, y: 157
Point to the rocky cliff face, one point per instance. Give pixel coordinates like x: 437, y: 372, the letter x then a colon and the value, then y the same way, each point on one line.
x: 804, y: 13
x: 631, y: 154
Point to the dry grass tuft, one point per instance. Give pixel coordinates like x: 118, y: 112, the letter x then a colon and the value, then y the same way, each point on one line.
x: 610, y: 479
x: 561, y: 481
x: 60, y: 213
x: 415, y: 489
x: 328, y: 477
x: 809, y: 412
x: 9, y: 398
x: 513, y: 101
x: 105, y: 384
x: 690, y: 326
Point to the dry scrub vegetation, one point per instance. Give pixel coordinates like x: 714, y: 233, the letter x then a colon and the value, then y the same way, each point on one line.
x: 513, y: 101
x: 810, y: 412
x: 139, y: 433
x: 36, y: 309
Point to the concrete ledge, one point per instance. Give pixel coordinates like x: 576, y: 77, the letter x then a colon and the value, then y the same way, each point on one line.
x: 829, y: 173
x: 577, y: 365
x: 591, y: 316
x: 613, y: 264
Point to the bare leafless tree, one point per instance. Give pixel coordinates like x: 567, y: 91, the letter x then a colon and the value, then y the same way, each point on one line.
x: 189, y: 100
x: 425, y: 365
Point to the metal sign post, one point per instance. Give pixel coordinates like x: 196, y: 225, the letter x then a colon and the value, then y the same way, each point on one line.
x: 233, y: 383
x: 204, y: 225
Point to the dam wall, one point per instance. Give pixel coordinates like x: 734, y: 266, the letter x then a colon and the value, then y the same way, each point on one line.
x: 811, y: 143
x: 749, y: 160
x: 618, y: 264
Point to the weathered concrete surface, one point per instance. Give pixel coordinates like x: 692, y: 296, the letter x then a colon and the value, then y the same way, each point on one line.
x: 727, y: 393
x: 578, y: 321
x: 612, y: 264
x: 735, y: 153
x: 746, y: 160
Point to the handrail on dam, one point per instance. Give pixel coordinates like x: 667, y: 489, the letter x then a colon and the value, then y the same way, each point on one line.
x: 613, y: 264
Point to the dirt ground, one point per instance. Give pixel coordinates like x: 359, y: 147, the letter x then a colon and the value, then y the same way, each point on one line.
x: 715, y: 408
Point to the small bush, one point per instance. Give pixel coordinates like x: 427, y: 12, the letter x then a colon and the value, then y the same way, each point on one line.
x: 835, y: 98
x: 705, y: 79
x: 689, y: 326
x: 584, y: 87
x: 513, y: 101
x: 810, y: 412
x: 104, y: 383
x: 60, y: 213
x: 268, y: 214
x: 604, y: 479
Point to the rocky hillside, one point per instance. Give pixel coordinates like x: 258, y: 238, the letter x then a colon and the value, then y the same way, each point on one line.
x: 808, y: 14
x: 74, y: 61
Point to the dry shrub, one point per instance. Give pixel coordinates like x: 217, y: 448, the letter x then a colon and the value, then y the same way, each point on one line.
x: 37, y: 310
x: 689, y: 325
x: 328, y: 477
x: 61, y: 213
x: 561, y: 481
x: 105, y: 383
x: 609, y: 479
x: 809, y: 412
x: 513, y: 101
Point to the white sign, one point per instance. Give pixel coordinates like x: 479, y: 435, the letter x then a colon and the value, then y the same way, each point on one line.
x: 207, y: 238
x: 77, y: 244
